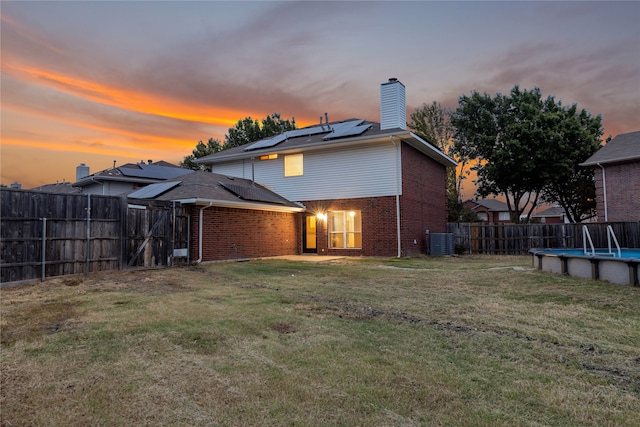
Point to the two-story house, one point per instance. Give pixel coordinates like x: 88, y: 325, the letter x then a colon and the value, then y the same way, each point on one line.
x: 368, y: 189
x: 616, y: 168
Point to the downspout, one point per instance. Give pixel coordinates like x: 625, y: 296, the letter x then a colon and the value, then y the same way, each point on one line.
x: 253, y: 169
x: 397, y: 197
x: 200, y: 227
x: 604, y: 191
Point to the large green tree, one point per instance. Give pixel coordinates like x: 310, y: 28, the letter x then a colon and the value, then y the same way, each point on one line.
x: 245, y: 131
x: 248, y: 130
x: 525, y: 146
x: 432, y: 123
x: 201, y: 150
x: 576, y: 137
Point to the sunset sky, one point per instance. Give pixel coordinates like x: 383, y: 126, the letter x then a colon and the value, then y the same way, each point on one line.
x: 98, y: 82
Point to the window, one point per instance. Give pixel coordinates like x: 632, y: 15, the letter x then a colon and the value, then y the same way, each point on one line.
x: 482, y: 216
x: 293, y: 165
x: 345, y: 229
x: 503, y: 216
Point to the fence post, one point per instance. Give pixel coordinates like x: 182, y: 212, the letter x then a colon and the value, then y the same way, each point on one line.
x: 44, y: 249
x: 87, y: 256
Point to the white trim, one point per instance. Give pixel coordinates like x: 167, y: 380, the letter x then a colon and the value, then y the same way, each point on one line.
x: 239, y: 205
x: 604, y: 190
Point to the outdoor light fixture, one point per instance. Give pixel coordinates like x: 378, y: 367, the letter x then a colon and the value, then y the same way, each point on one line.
x: 321, y: 216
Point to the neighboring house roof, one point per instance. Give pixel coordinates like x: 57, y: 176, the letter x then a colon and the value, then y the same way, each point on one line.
x: 58, y: 187
x: 623, y: 148
x: 136, y: 172
x: 334, y: 134
x: 555, y: 211
x: 206, y: 188
x: 491, y: 205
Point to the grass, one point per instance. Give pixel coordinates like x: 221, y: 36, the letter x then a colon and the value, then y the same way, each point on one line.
x: 470, y: 341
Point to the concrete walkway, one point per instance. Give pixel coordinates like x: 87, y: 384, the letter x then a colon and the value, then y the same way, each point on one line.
x: 307, y: 258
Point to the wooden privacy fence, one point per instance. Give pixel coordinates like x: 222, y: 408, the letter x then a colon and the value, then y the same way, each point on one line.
x: 517, y: 239
x: 45, y: 234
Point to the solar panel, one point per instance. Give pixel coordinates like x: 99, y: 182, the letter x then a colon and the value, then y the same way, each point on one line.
x: 153, y: 190
x: 345, y: 125
x: 270, y: 142
x: 253, y: 193
x: 353, y: 131
x: 154, y: 172
x: 266, y: 143
x: 308, y: 131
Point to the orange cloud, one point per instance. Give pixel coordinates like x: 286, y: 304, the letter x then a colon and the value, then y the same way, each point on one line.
x: 130, y: 100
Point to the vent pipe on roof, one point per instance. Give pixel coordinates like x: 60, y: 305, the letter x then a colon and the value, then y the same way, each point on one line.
x: 393, y: 105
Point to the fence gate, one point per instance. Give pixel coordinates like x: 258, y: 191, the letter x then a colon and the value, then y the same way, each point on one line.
x: 154, y: 232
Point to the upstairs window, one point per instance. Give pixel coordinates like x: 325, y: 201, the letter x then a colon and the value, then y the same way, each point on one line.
x: 293, y: 165
x: 345, y: 229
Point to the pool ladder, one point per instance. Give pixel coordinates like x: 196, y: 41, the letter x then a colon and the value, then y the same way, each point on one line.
x: 586, y: 236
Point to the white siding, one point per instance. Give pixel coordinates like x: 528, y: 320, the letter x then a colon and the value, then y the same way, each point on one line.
x: 393, y: 105
x: 347, y: 172
x: 108, y: 188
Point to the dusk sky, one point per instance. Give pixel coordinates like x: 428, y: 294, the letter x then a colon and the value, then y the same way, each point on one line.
x: 94, y: 82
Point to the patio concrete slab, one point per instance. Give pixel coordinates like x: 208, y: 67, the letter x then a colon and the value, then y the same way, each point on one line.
x: 307, y: 258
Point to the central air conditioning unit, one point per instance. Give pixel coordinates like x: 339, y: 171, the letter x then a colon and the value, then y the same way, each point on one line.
x: 442, y: 244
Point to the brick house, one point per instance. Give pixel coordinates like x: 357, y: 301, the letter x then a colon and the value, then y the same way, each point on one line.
x: 617, y: 177
x: 489, y: 210
x: 368, y: 189
x: 552, y: 215
x: 230, y: 218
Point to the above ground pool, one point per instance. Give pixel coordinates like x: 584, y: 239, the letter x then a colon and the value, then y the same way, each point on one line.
x: 615, y: 266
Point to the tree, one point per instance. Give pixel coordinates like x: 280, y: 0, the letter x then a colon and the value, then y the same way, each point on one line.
x: 432, y: 123
x: 248, y: 130
x: 201, y: 150
x: 525, y: 146
x: 577, y: 138
x: 244, y: 132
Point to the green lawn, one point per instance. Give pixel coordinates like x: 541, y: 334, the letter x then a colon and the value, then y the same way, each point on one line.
x: 463, y: 341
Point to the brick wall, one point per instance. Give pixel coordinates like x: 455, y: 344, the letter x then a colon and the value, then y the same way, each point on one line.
x: 623, y: 192
x: 423, y: 204
x: 242, y: 233
x: 423, y: 201
x: 378, y: 225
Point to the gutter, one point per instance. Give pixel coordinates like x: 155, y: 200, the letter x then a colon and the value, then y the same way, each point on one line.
x: 200, y: 227
x: 435, y: 154
x: 230, y: 204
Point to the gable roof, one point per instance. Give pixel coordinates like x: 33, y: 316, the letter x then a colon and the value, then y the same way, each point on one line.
x: 554, y: 211
x: 491, y: 205
x: 211, y: 189
x: 58, y: 187
x: 623, y: 148
x: 136, y: 172
x: 334, y: 134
